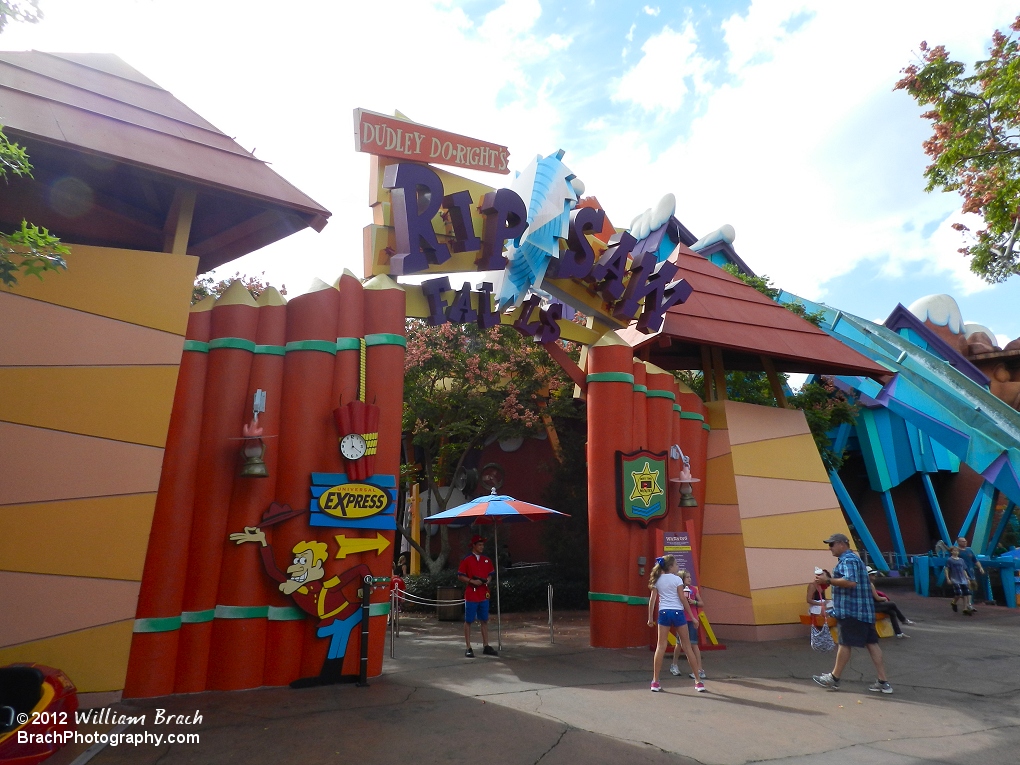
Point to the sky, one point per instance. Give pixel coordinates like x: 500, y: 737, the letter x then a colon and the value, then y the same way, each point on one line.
x: 777, y: 117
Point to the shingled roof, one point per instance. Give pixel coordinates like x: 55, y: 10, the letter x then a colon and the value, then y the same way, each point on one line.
x: 129, y: 144
x: 726, y: 313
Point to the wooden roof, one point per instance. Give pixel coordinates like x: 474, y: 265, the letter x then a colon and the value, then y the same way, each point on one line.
x: 129, y: 146
x: 726, y: 313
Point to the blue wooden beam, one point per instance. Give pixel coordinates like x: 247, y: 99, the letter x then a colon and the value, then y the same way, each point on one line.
x: 894, y: 528
x: 855, y: 518
x: 936, y: 510
x: 971, y: 515
x: 1003, y: 522
x: 983, y: 520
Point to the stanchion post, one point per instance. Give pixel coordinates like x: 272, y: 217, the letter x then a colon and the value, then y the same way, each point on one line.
x: 549, y: 597
x: 366, y: 596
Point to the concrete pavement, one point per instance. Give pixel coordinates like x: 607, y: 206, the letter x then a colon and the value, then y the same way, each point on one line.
x: 956, y: 700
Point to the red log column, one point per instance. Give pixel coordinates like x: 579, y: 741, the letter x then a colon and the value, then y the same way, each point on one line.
x: 237, y: 654
x: 307, y: 445
x: 610, y: 395
x: 350, y: 330
x: 637, y: 582
x: 674, y: 519
x: 694, y: 442
x: 659, y: 401
x: 384, y: 380
x: 231, y: 347
x: 161, y: 596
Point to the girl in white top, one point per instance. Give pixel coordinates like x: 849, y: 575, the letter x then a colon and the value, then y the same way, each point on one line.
x: 668, y: 594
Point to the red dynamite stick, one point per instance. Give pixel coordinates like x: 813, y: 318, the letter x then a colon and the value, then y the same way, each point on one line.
x: 636, y: 629
x: 351, y: 327
x: 224, y: 411
x: 154, y: 654
x: 694, y: 442
x: 308, y: 444
x: 384, y: 386
x: 660, y: 432
x: 609, y: 431
x: 237, y: 651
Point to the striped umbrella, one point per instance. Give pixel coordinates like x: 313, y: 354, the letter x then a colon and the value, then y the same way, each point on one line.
x: 495, y: 509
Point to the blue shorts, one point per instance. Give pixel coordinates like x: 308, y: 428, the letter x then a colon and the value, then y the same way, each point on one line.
x: 692, y: 630
x: 960, y: 590
x: 672, y: 618
x: 476, y: 609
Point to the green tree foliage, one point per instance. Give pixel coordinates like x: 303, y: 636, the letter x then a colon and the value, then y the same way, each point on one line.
x: 975, y: 143
x: 826, y: 408
x: 206, y: 285
x: 31, y: 250
x: 19, y: 10
x: 463, y: 386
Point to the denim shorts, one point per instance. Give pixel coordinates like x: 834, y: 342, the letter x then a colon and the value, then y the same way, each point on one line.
x: 692, y: 630
x: 476, y: 609
x: 672, y: 618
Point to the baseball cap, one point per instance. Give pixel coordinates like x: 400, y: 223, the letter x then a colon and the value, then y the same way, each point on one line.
x: 871, y: 571
x: 837, y: 538
x: 477, y: 538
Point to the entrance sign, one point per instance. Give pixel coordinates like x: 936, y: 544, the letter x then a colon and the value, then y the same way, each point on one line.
x: 641, y: 486
x: 394, y: 137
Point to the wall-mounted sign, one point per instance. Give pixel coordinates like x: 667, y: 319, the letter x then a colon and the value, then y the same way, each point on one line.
x: 641, y: 486
x: 340, y: 502
x: 678, y: 544
x: 393, y: 137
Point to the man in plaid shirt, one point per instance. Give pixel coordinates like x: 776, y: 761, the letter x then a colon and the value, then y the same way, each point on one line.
x: 854, y: 609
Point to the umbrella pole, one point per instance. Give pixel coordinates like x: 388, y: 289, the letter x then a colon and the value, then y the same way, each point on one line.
x: 499, y: 612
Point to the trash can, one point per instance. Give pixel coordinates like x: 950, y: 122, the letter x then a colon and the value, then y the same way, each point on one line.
x: 450, y: 612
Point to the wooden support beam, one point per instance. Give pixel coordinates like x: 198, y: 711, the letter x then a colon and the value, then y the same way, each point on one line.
x: 706, y: 371
x: 560, y: 356
x: 177, y: 229
x: 719, y: 373
x: 774, y: 382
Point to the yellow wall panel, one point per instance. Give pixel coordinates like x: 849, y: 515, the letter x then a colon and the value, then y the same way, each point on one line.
x: 723, y: 564
x: 152, y: 289
x: 102, y: 537
x: 779, y: 605
x: 95, y: 659
x: 123, y: 403
x: 716, y: 414
x: 720, y: 488
x: 798, y: 531
x: 795, y: 457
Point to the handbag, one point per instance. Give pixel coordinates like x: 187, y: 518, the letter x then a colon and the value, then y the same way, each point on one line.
x: 821, y: 637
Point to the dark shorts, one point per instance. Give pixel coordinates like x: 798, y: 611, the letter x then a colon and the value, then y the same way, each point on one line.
x: 692, y: 630
x: 476, y: 609
x: 671, y: 618
x: 961, y: 590
x: 853, y: 633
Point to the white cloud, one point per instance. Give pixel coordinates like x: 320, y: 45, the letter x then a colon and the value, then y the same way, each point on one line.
x: 630, y: 34
x: 658, y: 80
x: 652, y: 11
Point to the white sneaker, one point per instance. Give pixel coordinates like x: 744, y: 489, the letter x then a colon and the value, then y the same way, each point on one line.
x: 675, y: 671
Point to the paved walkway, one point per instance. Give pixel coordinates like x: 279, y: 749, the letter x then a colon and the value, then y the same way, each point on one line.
x: 956, y: 700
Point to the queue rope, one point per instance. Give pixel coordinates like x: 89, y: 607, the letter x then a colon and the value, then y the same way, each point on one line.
x: 426, y: 601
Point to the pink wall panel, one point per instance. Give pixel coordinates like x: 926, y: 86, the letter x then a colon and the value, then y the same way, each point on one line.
x: 36, y: 606
x: 52, y: 335
x: 748, y: 423
x: 40, y: 465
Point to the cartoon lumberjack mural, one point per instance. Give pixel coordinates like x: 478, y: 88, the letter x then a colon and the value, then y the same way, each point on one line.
x: 339, y: 613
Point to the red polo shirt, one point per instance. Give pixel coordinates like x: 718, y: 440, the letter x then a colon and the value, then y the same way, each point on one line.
x: 477, y: 567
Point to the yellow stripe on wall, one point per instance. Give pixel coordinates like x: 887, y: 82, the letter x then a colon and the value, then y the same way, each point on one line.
x: 102, y: 537
x: 796, y: 531
x: 779, y: 605
x: 152, y: 289
x: 95, y: 659
x: 723, y: 564
x: 720, y: 488
x: 123, y: 403
x: 793, y: 457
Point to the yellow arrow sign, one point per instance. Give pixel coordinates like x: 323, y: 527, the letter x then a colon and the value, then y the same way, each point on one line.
x: 354, y: 545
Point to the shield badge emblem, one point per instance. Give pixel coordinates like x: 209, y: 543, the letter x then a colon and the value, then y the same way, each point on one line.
x: 641, y: 486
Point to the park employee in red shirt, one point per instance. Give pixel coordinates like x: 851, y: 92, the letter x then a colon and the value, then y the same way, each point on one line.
x: 475, y: 571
